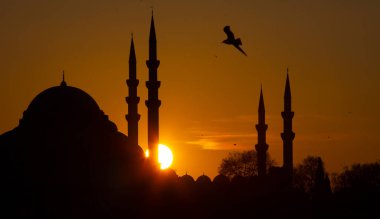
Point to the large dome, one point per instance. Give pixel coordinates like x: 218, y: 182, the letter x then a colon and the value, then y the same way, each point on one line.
x: 66, y: 102
x: 65, y: 142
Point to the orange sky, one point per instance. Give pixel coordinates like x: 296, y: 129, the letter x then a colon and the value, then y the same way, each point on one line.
x: 209, y: 90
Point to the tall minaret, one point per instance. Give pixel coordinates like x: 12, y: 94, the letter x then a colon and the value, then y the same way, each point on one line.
x: 133, y: 100
x: 261, y: 146
x: 153, y: 103
x: 288, y: 134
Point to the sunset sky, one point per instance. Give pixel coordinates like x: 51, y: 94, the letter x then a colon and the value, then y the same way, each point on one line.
x: 209, y: 90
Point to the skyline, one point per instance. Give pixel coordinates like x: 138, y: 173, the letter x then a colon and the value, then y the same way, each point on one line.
x: 327, y: 121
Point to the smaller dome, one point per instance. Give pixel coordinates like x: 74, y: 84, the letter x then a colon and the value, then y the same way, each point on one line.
x: 169, y: 175
x: 186, y: 179
x: 221, y: 180
x: 204, y: 180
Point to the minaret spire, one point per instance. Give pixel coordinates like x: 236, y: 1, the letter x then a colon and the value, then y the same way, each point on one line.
x: 63, y: 83
x: 153, y: 103
x: 261, y: 108
x: 261, y: 146
x: 132, y: 56
x: 288, y: 135
x: 133, y: 100
x: 287, y: 95
x: 152, y: 40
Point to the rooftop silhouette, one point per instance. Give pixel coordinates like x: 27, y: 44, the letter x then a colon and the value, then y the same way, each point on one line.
x: 66, y: 159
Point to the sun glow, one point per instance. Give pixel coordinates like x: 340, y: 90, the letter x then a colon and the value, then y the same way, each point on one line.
x: 165, y: 156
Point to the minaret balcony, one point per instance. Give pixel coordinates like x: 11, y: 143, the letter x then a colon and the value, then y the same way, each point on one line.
x: 153, y: 103
x: 153, y: 84
x: 152, y: 63
x: 132, y: 82
x: 287, y: 114
x: 132, y: 100
x: 288, y: 136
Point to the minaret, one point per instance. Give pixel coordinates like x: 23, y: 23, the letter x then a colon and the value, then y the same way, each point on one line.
x: 133, y: 100
x: 261, y: 146
x: 288, y: 134
x: 153, y: 103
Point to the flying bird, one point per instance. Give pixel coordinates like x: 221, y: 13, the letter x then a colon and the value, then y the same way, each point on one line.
x: 231, y: 39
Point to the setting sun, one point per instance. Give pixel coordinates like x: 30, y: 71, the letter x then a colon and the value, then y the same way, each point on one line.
x: 165, y: 156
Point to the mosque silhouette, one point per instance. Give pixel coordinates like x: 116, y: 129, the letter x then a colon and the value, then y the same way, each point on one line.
x: 66, y: 159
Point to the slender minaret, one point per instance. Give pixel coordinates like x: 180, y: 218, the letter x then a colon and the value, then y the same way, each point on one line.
x: 261, y: 146
x: 288, y: 134
x: 133, y: 100
x: 153, y: 103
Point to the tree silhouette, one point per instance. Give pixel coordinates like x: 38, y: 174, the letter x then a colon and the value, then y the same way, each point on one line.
x: 242, y: 164
x: 358, y: 177
x: 310, y: 176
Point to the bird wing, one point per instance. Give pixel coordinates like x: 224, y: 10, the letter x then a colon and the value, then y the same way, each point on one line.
x: 240, y: 49
x: 229, y: 33
x: 238, y: 41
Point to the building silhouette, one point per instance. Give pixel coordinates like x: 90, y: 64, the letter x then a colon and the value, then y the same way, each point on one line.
x: 65, y: 139
x: 133, y: 100
x: 66, y: 148
x: 288, y: 135
x: 66, y: 159
x: 64, y: 151
x: 153, y: 103
x: 285, y: 173
x: 261, y: 146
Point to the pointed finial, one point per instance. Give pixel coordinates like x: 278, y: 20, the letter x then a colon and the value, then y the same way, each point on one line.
x: 261, y: 101
x: 132, y: 54
x: 152, y: 10
x: 63, y: 83
x: 287, y: 86
x: 287, y: 76
x: 287, y: 79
